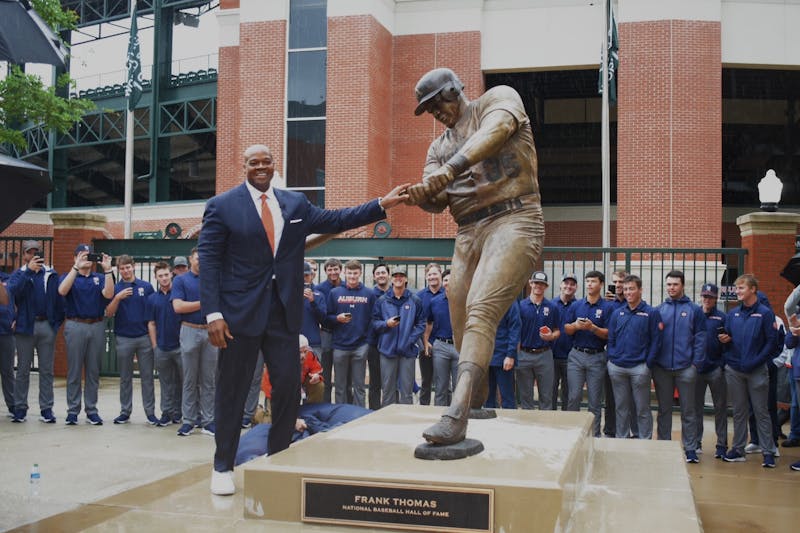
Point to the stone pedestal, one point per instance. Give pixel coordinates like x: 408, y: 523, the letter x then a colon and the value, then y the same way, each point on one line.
x: 532, y: 467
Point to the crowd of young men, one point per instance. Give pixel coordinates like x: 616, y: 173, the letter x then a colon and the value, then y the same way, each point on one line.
x: 613, y: 345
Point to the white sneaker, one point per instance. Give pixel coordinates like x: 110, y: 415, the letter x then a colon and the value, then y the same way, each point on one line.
x: 222, y: 483
x: 752, y: 448
x: 699, y: 451
x: 777, y: 452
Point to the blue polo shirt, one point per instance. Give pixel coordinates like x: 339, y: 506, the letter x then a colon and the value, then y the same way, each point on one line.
x: 425, y: 295
x: 599, y: 313
x: 186, y: 287
x: 634, y: 335
x: 533, y: 317
x: 439, y: 315
x: 130, y: 321
x: 168, y: 322
x: 85, y: 298
x: 563, y: 344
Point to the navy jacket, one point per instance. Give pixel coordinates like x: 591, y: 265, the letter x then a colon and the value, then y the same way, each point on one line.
x: 402, y: 340
x: 358, y: 301
x: 7, y: 312
x: 684, y: 339
x: 507, y: 338
x: 634, y: 335
x: 21, y: 286
x: 752, y: 331
x: 237, y: 265
x: 372, y: 336
x: 714, y: 320
x: 792, y: 343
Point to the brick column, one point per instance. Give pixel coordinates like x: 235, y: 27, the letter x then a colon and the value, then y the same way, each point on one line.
x: 70, y: 230
x: 769, y: 240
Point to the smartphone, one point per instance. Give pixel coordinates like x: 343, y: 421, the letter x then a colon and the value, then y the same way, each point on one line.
x: 39, y: 256
x: 720, y: 330
x: 396, y: 318
x: 348, y: 315
x: 95, y: 258
x: 306, y: 285
x: 612, y: 288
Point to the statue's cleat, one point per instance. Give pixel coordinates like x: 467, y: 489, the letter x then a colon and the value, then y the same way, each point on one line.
x: 448, y: 430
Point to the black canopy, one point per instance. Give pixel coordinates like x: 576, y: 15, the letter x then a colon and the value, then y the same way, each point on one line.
x: 21, y: 185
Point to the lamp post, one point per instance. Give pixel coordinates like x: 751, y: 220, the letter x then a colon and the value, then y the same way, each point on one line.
x: 769, y: 191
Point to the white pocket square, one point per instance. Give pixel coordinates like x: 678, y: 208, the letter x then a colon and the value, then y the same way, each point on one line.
x: 295, y: 221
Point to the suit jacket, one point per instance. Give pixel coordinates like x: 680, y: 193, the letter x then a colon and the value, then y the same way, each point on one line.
x: 237, y: 265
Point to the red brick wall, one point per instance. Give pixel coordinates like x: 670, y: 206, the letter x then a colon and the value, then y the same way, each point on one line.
x: 28, y: 230
x: 576, y: 233
x: 766, y: 257
x: 229, y: 4
x: 414, y: 55
x: 251, y: 97
x: 669, y: 134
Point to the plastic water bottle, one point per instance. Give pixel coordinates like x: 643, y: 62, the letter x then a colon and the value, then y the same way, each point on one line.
x: 35, y: 480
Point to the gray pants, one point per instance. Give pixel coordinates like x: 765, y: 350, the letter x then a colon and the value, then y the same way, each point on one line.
x: 7, y: 370
x: 126, y: 347
x: 715, y: 380
x: 685, y: 380
x: 754, y: 387
x: 632, y: 398
x: 251, y: 404
x: 170, y: 377
x: 560, y: 380
x: 445, y: 371
x: 352, y: 363
x: 394, y: 369
x: 589, y: 368
x: 85, y: 347
x: 199, y: 361
x: 538, y: 367
x: 43, y: 340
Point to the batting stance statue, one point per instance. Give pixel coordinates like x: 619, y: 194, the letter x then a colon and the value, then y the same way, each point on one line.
x: 483, y: 167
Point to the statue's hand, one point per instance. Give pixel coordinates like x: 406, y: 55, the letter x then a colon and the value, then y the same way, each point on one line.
x: 439, y: 179
x: 417, y: 194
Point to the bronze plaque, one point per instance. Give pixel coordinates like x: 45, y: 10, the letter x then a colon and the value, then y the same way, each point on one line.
x: 398, y: 505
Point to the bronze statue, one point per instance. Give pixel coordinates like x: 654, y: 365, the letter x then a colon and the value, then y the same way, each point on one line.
x: 484, y: 168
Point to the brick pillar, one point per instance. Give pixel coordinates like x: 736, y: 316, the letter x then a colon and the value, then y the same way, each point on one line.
x: 70, y: 230
x: 769, y: 240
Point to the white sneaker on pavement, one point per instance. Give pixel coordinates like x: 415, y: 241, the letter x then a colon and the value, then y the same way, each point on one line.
x: 752, y: 448
x: 222, y: 483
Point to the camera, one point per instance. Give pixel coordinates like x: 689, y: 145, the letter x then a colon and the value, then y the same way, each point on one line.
x: 95, y: 258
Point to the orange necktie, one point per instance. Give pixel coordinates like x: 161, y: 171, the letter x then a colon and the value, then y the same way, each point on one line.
x: 266, y: 220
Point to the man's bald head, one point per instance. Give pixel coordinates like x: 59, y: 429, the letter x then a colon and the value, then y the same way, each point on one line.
x: 256, y: 148
x: 259, y: 166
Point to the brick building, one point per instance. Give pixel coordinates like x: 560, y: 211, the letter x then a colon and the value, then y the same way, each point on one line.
x: 709, y: 98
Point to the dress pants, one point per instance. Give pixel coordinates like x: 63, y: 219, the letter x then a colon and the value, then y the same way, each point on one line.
x: 236, y: 364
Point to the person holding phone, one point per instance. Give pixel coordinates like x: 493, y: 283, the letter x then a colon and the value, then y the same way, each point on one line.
x: 710, y: 372
x: 86, y: 295
x: 398, y: 321
x: 587, y: 324
x: 350, y: 316
x: 40, y: 312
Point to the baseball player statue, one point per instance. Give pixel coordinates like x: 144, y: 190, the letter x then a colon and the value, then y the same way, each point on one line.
x: 484, y: 168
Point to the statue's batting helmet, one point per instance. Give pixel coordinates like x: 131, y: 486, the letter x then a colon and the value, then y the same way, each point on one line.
x: 438, y: 80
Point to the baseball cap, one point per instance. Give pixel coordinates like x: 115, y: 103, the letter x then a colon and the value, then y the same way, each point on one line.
x: 539, y: 277
x: 180, y: 261
x: 307, y: 268
x: 401, y: 270
x: 569, y: 275
x: 709, y: 289
x: 82, y: 248
x: 31, y: 245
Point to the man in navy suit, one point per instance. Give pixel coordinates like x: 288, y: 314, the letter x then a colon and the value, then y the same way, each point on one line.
x: 253, y: 298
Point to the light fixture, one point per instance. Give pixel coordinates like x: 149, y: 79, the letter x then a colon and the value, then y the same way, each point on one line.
x: 193, y: 21
x: 769, y: 191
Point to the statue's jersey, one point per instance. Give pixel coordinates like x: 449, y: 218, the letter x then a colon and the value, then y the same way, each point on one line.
x: 508, y: 174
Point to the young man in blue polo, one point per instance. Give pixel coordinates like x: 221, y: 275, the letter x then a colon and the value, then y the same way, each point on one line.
x: 164, y: 328
x: 129, y: 309
x: 86, y: 295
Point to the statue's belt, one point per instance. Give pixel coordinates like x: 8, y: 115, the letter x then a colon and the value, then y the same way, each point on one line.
x: 499, y: 207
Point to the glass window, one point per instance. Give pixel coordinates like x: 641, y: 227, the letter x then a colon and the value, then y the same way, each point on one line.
x: 305, y: 165
x: 760, y: 131
x: 565, y: 113
x: 307, y: 79
x: 308, y: 24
